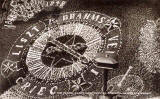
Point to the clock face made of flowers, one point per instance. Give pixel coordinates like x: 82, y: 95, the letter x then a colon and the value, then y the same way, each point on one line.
x: 59, y: 54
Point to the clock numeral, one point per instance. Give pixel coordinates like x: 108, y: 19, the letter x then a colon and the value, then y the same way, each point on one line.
x: 43, y: 73
x: 36, y: 71
x: 35, y: 66
x: 78, y: 29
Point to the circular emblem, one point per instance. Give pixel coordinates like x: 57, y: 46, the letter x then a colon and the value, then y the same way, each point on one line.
x: 58, y: 54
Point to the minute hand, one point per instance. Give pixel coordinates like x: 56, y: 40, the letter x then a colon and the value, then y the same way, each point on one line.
x: 67, y: 49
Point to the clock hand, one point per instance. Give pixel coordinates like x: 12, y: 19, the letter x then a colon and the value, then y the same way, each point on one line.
x: 67, y: 49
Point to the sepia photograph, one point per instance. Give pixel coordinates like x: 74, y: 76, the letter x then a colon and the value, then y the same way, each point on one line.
x: 79, y: 49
